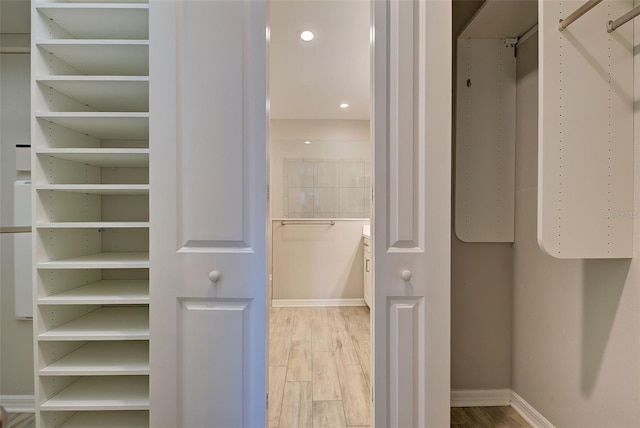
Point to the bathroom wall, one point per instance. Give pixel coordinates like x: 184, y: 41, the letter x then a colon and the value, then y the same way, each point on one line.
x: 481, y: 289
x: 341, y: 147
x: 319, y: 261
x: 576, y: 324
x: 16, y: 336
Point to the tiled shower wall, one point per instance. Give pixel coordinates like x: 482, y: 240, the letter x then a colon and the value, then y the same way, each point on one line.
x: 321, y: 188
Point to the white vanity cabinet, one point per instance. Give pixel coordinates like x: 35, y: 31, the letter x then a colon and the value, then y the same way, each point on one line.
x: 367, y: 270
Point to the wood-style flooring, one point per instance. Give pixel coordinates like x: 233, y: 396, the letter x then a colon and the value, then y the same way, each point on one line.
x: 486, y: 417
x: 22, y: 420
x: 319, y: 367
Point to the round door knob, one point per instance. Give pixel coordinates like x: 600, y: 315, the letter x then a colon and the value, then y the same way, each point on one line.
x: 214, y: 276
x: 406, y: 275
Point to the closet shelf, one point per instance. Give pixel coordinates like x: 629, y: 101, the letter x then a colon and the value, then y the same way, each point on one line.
x: 102, y: 393
x: 498, y: 19
x: 110, y: 158
x: 99, y: 189
x: 130, y: 419
x: 103, y: 359
x: 101, y: 57
x: 102, y: 125
x: 120, y: 260
x: 106, y: 292
x: 100, y: 20
x: 95, y: 225
x: 104, y: 93
x: 109, y: 323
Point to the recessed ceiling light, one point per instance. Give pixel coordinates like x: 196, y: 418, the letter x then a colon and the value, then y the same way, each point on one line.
x: 307, y: 142
x: 344, y: 105
x: 306, y: 36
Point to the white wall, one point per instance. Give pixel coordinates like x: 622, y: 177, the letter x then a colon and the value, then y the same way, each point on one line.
x: 481, y: 290
x: 576, y: 323
x: 16, y: 336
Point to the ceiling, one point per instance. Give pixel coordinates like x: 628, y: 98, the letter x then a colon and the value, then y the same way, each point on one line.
x: 306, y: 80
x: 309, y: 80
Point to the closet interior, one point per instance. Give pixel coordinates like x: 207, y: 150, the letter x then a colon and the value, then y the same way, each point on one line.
x: 90, y: 135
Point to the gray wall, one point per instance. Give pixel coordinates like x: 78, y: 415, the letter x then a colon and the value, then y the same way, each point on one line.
x: 481, y: 291
x: 16, y: 336
x: 576, y: 324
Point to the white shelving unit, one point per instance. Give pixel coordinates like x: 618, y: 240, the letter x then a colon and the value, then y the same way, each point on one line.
x: 90, y: 134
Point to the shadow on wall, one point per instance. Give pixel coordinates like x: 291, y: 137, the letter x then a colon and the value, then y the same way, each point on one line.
x: 604, y: 282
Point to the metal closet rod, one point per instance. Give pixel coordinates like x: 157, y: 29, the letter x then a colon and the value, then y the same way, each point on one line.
x: 286, y: 222
x: 590, y: 4
x: 613, y: 25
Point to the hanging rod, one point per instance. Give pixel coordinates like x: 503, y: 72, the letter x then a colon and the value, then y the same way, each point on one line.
x: 590, y: 4
x: 613, y: 25
x: 526, y: 36
x: 286, y: 222
x: 15, y: 229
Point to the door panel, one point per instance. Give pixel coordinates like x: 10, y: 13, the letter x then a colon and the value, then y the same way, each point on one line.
x: 207, y: 212
x: 412, y: 223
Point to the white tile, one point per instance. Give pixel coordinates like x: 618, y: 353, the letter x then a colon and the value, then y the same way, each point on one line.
x: 352, y: 174
x: 300, y: 174
x: 352, y: 202
x: 326, y: 174
x: 300, y: 201
x: 326, y: 200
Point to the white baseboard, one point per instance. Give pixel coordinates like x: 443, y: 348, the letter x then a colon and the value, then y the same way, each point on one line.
x: 302, y: 303
x: 480, y: 397
x: 18, y: 403
x: 528, y: 413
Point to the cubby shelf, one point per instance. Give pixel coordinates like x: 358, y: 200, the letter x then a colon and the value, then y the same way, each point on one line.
x: 94, y: 225
x: 90, y: 132
x: 128, y: 419
x: 102, y: 393
x: 102, y: 157
x: 103, y: 359
x: 108, y: 323
x: 123, y: 260
x: 104, y: 93
x: 101, y: 57
x: 106, y: 292
x: 99, y: 21
x: 102, y: 125
x: 99, y: 189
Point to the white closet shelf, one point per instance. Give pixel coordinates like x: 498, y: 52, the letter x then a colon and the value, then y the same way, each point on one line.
x: 102, y: 125
x: 120, y: 260
x: 108, y: 323
x: 129, y: 419
x: 103, y: 359
x: 100, y: 21
x: 99, y: 189
x: 101, y: 57
x: 497, y: 19
x: 106, y: 292
x: 123, y: 158
x: 95, y: 225
x: 124, y: 94
x: 102, y: 393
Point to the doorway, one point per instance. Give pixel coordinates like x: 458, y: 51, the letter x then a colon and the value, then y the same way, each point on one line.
x: 320, y: 191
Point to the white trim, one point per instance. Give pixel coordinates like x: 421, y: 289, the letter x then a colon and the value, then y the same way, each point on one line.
x: 480, y: 397
x: 528, y: 413
x: 18, y: 403
x: 302, y: 303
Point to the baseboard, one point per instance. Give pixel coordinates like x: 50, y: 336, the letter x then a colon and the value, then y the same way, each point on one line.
x: 480, y: 397
x: 18, y: 403
x: 528, y: 413
x: 303, y: 303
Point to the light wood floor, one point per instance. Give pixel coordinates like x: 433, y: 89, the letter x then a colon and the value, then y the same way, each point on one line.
x: 319, y: 367
x: 22, y: 420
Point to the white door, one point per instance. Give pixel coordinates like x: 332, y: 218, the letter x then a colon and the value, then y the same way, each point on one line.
x: 412, y: 163
x: 207, y: 212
